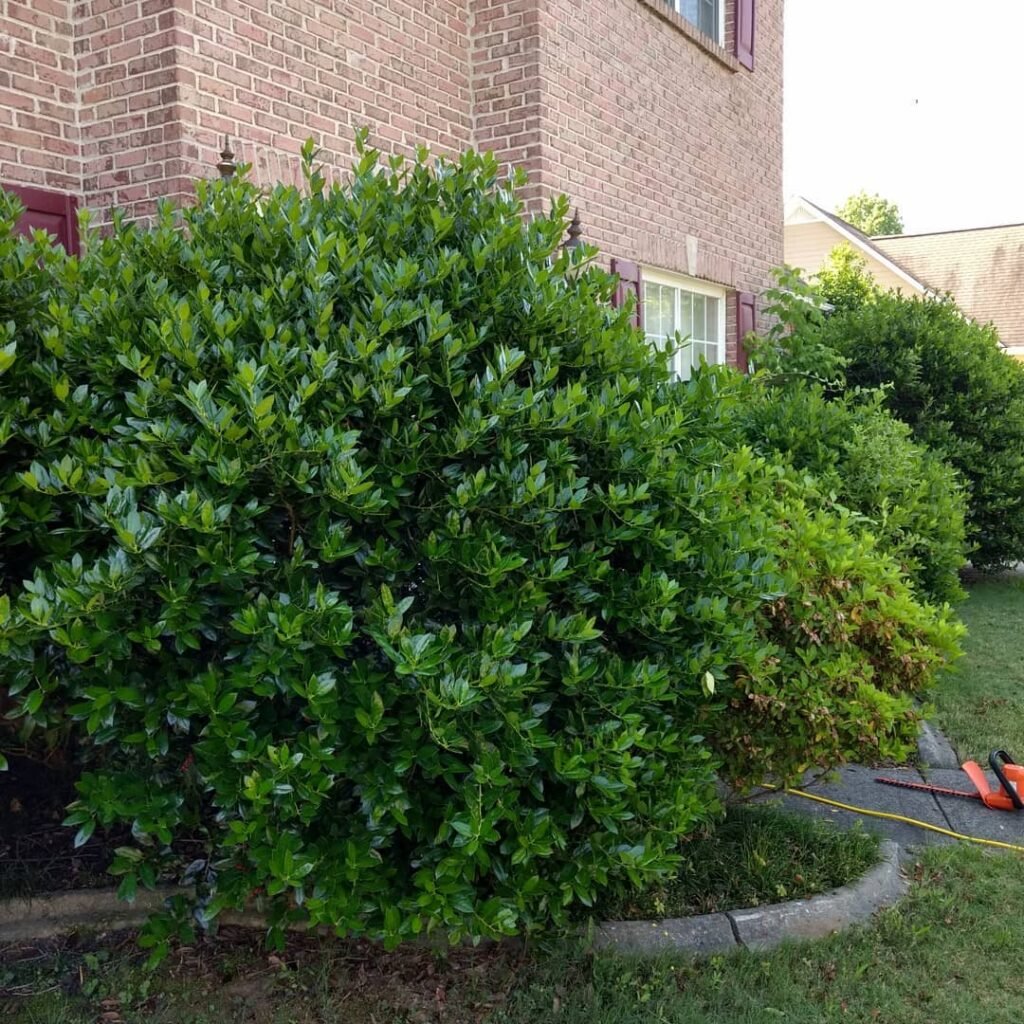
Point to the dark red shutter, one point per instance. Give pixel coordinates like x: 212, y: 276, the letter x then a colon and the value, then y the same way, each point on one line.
x: 745, y: 33
x: 629, y: 284
x: 746, y: 322
x: 54, y: 212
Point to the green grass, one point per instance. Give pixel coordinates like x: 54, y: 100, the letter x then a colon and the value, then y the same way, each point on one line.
x: 952, y: 952
x: 980, y: 702
x: 757, y: 855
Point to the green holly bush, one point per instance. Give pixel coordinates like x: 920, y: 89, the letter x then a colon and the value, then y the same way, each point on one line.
x: 942, y: 374
x: 949, y: 380
x: 866, y: 461
x: 360, y: 544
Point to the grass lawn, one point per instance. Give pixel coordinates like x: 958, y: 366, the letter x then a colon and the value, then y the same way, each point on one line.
x: 952, y: 952
x: 757, y: 855
x: 980, y: 702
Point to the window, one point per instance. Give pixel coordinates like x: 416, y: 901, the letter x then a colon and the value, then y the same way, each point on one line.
x: 691, y: 309
x: 704, y: 14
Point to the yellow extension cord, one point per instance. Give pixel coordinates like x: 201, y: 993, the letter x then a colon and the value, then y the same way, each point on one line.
x: 899, y: 817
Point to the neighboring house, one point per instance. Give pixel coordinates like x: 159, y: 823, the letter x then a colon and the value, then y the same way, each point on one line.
x: 662, y: 119
x: 811, y: 233
x: 983, y: 268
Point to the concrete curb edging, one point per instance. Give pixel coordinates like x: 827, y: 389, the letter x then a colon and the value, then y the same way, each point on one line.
x: 761, y: 928
x: 756, y: 928
x: 98, y: 910
x: 42, y: 917
x: 934, y: 750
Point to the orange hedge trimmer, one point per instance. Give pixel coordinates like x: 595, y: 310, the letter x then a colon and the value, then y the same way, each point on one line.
x: 1007, y: 771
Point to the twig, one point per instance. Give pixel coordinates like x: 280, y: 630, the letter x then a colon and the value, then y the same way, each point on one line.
x: 294, y: 527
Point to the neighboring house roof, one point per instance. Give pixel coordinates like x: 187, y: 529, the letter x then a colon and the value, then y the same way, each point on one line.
x: 982, y: 267
x: 800, y: 210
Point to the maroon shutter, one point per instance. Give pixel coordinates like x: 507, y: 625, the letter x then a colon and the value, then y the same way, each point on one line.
x: 54, y: 212
x: 629, y: 284
x: 746, y: 322
x: 745, y: 33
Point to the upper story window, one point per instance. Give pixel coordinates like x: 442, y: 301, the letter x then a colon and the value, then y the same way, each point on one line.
x: 707, y: 15
x: 694, y: 310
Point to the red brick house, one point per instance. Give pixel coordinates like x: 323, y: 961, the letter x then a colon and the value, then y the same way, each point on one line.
x: 662, y: 119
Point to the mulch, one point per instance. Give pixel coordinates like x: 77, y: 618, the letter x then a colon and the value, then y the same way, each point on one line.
x: 235, y: 978
x: 37, y: 852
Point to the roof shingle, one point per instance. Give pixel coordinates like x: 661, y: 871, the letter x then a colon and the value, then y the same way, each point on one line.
x: 982, y: 267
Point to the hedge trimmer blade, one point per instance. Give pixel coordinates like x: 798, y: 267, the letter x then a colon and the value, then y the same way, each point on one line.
x: 923, y: 787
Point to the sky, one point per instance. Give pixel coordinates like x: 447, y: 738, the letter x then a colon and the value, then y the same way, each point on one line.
x: 921, y: 101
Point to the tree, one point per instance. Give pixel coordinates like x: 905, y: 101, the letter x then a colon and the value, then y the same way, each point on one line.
x: 845, y: 280
x: 872, y: 214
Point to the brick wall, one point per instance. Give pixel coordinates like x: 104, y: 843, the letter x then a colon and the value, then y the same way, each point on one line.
x: 38, y: 101
x: 507, y: 86
x: 129, y: 80
x: 671, y: 150
x: 271, y: 74
x: 163, y: 82
x: 125, y: 101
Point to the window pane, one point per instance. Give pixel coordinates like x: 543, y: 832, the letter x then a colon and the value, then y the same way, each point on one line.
x: 713, y: 310
x: 671, y: 312
x: 652, y: 317
x: 686, y: 314
x: 701, y: 13
x: 681, y: 362
x: 699, y: 315
x: 709, y: 18
x: 668, y: 310
x: 659, y: 312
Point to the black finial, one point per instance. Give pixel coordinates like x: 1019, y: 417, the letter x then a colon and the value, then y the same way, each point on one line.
x: 227, y: 160
x: 575, y: 232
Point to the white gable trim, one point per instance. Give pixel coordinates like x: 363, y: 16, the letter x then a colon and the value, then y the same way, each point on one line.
x: 802, y: 211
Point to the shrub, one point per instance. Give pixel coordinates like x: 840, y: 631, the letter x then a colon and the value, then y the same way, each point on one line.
x: 364, y: 544
x: 844, y: 646
x: 948, y: 379
x: 794, y: 346
x: 844, y: 282
x: 865, y: 460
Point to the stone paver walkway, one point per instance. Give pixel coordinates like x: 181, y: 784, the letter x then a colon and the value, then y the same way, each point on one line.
x: 856, y: 785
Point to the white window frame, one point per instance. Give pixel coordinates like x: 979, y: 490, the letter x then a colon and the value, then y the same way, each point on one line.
x: 690, y: 284
x: 676, y: 6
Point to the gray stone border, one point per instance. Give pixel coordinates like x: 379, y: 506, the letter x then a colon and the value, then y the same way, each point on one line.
x: 934, y: 750
x: 98, y: 910
x: 758, y: 928
x: 761, y: 928
x: 42, y: 917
